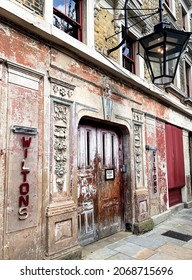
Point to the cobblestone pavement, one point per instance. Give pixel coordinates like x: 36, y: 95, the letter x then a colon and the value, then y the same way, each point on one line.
x: 169, y: 240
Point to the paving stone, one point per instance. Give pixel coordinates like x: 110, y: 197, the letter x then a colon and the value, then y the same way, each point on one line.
x: 120, y: 256
x: 135, y: 251
x: 144, y: 254
x: 117, y: 244
x: 162, y: 256
x: 176, y: 251
x: 188, y: 244
x: 144, y: 241
x: 150, y: 246
x: 100, y: 254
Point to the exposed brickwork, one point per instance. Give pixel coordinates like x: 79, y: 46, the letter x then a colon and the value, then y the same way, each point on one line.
x: 182, y: 76
x: 151, y: 5
x: 178, y: 9
x: 34, y: 5
x: 104, y: 28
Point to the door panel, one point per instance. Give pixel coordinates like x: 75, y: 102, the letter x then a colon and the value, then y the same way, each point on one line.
x: 109, y: 213
x: 87, y: 192
x: 99, y: 200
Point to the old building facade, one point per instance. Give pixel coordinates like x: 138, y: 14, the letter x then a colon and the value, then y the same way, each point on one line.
x: 89, y: 146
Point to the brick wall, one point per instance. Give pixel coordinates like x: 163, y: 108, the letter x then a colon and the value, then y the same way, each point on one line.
x: 104, y: 28
x: 34, y: 5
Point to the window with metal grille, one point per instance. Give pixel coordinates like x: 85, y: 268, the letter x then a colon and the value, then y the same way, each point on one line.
x: 67, y: 16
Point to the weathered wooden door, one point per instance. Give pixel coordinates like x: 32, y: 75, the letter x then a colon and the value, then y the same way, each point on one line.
x: 99, y: 183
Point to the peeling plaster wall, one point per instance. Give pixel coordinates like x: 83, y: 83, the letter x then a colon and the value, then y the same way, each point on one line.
x: 51, y: 90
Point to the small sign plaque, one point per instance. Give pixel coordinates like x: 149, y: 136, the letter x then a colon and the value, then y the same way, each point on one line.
x: 109, y: 174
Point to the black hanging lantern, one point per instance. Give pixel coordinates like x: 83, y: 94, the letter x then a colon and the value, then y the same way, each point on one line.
x: 161, y: 51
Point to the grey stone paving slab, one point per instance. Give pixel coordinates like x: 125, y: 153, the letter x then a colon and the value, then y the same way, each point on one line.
x: 144, y: 254
x: 149, y: 246
x: 117, y: 244
x: 120, y: 256
x: 187, y: 218
x: 159, y: 229
x: 183, y: 228
x: 162, y: 256
x: 147, y: 242
x: 164, y: 239
x: 129, y: 249
x: 100, y: 254
x: 134, y: 250
x: 176, y: 251
x: 188, y: 244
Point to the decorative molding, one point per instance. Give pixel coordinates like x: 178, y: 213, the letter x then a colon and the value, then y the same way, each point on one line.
x: 138, y: 116
x: 56, y: 209
x: 20, y: 68
x: 20, y: 78
x: 61, y: 229
x: 138, y: 154
x: 107, y: 103
x: 60, y: 146
x: 61, y: 88
x: 23, y: 76
x: 123, y: 119
x: 174, y: 90
x: 187, y: 101
x: 141, y: 202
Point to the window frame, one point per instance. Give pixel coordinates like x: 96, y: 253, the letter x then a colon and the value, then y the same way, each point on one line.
x: 187, y: 79
x: 130, y: 59
x: 184, y: 19
x: 76, y: 25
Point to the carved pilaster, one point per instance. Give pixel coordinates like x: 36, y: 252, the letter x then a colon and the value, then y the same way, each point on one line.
x: 138, y: 147
x: 107, y: 103
x: 60, y: 147
x: 138, y: 154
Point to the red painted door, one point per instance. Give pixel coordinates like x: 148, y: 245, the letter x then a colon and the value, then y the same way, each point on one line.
x: 99, y: 183
x: 175, y: 163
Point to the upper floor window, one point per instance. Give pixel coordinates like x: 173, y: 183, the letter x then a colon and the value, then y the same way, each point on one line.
x: 67, y: 16
x: 128, y: 52
x: 187, y: 78
x: 170, y: 4
x: 184, y: 19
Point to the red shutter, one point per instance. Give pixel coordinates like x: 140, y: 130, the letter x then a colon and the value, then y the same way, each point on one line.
x: 178, y: 157
x: 175, y: 163
x: 170, y: 155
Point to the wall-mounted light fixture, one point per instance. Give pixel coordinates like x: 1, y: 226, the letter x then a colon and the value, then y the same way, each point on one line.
x: 161, y: 49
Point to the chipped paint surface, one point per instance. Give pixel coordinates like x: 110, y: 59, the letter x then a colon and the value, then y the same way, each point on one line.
x: 71, y: 202
x: 99, y: 200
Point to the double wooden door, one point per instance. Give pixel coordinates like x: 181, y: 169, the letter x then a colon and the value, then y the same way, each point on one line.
x: 99, y: 182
